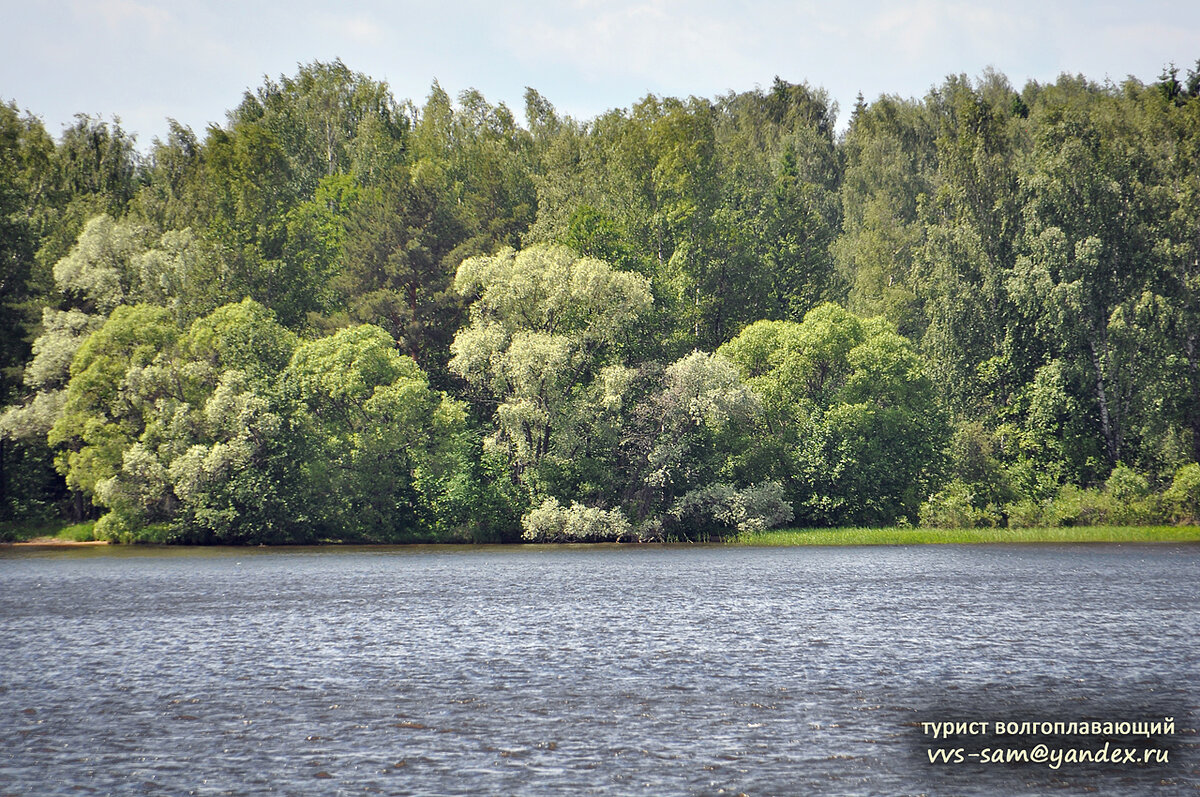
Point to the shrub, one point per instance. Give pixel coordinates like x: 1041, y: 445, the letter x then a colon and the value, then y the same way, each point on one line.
x: 1126, y: 484
x: 553, y: 522
x: 1075, y: 507
x: 721, y: 506
x: 954, y: 507
x: 1125, y: 500
x: 1024, y: 514
x: 1182, y: 498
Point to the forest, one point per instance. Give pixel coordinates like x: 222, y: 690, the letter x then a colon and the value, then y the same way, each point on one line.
x: 341, y: 316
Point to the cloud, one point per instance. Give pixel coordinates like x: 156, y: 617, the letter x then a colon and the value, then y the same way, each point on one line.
x: 954, y: 35
x: 910, y: 28
x: 359, y: 29
x: 126, y: 17
x: 193, y: 60
x: 655, y: 40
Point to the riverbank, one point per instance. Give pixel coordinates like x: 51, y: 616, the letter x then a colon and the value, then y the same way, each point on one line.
x: 922, y: 536
x: 81, y: 534
x: 51, y: 534
x: 55, y: 542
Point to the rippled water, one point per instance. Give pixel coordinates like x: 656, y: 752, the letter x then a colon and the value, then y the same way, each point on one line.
x: 581, y: 670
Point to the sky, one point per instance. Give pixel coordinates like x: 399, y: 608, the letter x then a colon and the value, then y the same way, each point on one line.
x: 145, y: 61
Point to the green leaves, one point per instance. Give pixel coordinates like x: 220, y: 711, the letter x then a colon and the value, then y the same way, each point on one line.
x: 385, y: 448
x: 543, y: 324
x: 107, y: 405
x: 856, y: 416
x: 235, y: 432
x: 245, y: 330
x: 341, y: 372
x: 552, y: 522
x: 244, y: 337
x: 553, y: 290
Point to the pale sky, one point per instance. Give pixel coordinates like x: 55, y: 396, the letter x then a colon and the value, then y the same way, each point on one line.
x: 147, y: 60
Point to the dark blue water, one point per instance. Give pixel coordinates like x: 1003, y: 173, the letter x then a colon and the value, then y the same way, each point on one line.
x: 584, y: 670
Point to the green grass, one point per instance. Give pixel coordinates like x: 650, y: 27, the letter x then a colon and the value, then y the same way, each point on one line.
x: 82, y: 532
x: 911, y: 536
x: 54, y: 531
x: 79, y: 532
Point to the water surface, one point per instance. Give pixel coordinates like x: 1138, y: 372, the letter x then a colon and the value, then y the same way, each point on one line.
x: 582, y: 670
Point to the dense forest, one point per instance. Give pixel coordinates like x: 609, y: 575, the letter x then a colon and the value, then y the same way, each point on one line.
x: 341, y: 316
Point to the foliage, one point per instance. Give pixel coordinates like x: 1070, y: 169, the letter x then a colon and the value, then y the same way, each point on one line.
x: 688, y: 436
x: 1003, y: 536
x: 384, y: 446
x: 552, y: 522
x: 116, y: 376
x: 340, y: 315
x: 852, y: 417
x: 756, y: 508
x: 955, y: 506
x: 542, y: 327
x: 1183, y: 496
x: 1124, y: 500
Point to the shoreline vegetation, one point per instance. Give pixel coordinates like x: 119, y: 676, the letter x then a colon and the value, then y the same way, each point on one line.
x: 82, y: 535
x: 346, y: 317
x: 969, y: 536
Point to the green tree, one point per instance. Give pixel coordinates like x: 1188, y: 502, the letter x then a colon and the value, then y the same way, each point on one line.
x: 26, y: 183
x: 401, y: 250
x: 96, y: 171
x: 544, y: 325
x: 1088, y: 248
x: 978, y: 350
x: 172, y: 175
x: 891, y: 160
x: 25, y: 162
x: 685, y: 450
x: 851, y: 415
x: 116, y: 375
x: 228, y: 471
x: 98, y: 274
x: 388, y: 449
x: 1174, y: 322
x: 216, y: 457
x: 779, y: 209
x: 318, y: 115
x: 476, y: 158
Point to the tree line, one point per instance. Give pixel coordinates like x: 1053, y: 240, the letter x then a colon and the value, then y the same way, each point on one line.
x: 340, y: 316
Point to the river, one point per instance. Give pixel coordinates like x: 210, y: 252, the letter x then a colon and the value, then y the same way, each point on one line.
x: 589, y: 669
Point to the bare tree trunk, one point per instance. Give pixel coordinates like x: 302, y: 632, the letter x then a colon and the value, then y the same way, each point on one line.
x: 3, y: 480
x: 77, y: 507
x: 1194, y: 410
x: 1111, y: 445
